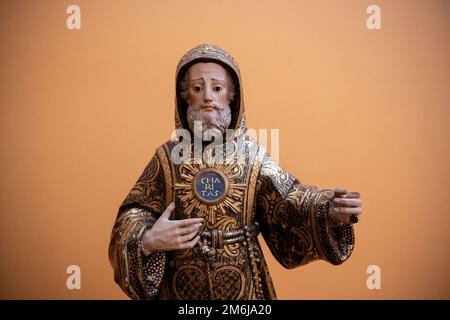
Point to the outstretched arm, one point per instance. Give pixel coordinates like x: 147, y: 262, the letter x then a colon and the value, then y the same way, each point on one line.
x: 299, y: 222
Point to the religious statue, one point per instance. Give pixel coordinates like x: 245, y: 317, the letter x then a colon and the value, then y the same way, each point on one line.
x: 189, y: 227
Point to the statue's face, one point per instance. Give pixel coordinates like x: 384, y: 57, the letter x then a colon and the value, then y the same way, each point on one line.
x: 207, y: 96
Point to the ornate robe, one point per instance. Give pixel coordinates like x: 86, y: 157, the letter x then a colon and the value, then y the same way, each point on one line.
x: 238, y: 199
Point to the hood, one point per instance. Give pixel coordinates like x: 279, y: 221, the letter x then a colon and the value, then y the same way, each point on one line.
x: 211, y: 53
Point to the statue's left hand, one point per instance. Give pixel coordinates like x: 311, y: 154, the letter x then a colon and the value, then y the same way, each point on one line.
x: 345, y: 207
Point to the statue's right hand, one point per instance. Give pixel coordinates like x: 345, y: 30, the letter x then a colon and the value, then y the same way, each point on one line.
x: 172, y: 234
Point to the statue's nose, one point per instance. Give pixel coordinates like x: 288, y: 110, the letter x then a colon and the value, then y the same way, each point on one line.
x: 208, y: 94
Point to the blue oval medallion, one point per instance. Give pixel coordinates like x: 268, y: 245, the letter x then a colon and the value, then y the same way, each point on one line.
x: 210, y: 186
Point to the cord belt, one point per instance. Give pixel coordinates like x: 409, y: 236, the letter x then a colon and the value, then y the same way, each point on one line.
x: 212, y: 239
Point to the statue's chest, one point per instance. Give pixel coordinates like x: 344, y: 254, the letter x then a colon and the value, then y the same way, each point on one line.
x: 218, y: 193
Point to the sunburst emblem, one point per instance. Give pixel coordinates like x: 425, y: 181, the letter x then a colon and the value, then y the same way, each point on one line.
x: 209, y: 186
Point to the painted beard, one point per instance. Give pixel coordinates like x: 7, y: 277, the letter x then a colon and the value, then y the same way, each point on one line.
x: 216, y: 120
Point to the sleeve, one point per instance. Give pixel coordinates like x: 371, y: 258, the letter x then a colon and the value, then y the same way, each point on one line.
x: 294, y: 220
x: 138, y: 273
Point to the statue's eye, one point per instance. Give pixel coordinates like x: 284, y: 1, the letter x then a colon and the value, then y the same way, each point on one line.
x: 197, y: 88
x: 217, y: 89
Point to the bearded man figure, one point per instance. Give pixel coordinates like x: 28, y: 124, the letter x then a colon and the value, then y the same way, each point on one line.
x: 188, y: 229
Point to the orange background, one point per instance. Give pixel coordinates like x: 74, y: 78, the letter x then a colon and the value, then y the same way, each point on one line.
x: 82, y: 112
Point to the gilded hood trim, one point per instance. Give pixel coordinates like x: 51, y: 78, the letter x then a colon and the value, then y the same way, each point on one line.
x: 211, y: 53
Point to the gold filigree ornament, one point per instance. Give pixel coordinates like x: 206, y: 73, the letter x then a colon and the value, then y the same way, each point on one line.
x: 210, y: 186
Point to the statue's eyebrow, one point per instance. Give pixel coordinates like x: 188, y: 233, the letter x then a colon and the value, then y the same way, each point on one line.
x: 196, y: 79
